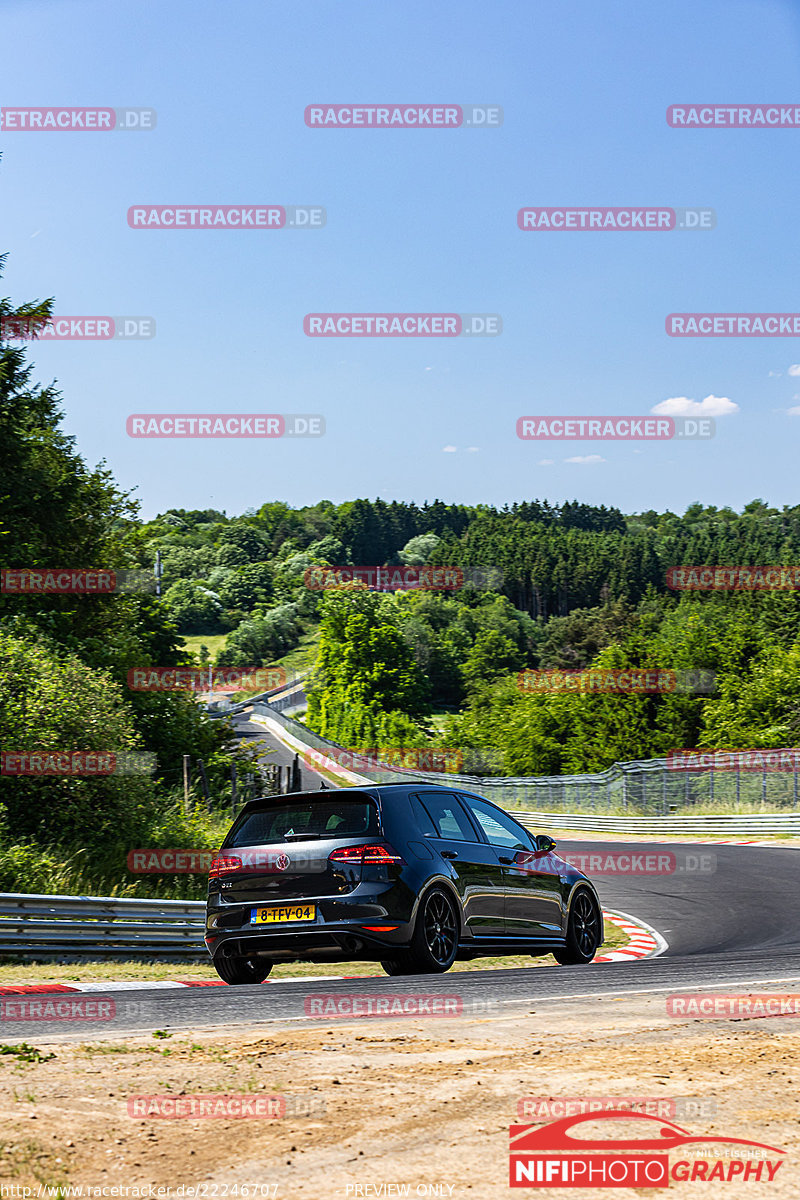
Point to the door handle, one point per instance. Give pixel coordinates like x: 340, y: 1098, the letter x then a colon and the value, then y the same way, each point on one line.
x: 449, y: 854
x: 506, y: 861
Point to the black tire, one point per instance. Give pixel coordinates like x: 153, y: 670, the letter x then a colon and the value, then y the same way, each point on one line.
x: 242, y: 970
x: 583, y: 931
x: 434, y: 943
x: 395, y: 966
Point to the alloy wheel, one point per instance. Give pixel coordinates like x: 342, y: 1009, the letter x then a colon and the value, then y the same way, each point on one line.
x: 585, y: 924
x: 440, y: 927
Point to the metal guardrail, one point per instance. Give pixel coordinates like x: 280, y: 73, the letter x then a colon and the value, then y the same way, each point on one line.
x: 63, y: 927
x: 290, y: 690
x: 744, y: 825
x: 655, y: 788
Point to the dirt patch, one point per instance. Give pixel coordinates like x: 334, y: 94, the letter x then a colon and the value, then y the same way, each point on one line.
x: 420, y: 1103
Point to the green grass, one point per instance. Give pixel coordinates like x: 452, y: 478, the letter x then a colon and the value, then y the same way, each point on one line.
x: 99, y: 972
x: 296, y: 660
x: 302, y: 657
x: 25, y: 1053
x: 213, y: 641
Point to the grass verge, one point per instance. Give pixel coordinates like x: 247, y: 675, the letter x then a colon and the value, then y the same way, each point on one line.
x: 98, y: 972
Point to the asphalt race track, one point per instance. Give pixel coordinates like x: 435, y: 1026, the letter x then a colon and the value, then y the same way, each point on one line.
x: 728, y: 913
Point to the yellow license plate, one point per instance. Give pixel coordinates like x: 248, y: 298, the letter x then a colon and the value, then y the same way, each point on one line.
x: 290, y: 912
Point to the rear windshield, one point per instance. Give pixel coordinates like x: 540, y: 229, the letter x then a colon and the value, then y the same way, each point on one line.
x: 300, y: 819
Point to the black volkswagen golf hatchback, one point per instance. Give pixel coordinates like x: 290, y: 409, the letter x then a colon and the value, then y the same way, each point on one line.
x: 414, y: 876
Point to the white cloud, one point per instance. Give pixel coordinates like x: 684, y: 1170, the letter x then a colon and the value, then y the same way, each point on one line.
x: 473, y: 449
x: 682, y: 406
x: 449, y: 449
x: 585, y: 458
x: 794, y: 370
x: 794, y: 412
x: 545, y: 462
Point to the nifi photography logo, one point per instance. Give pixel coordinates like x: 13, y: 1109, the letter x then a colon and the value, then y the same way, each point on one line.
x: 559, y: 1156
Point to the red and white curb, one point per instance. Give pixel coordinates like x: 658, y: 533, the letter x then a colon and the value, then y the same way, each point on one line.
x: 643, y: 942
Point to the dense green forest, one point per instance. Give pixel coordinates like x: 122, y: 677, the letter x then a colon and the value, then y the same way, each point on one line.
x: 581, y: 586
x: 64, y: 661
x: 578, y: 586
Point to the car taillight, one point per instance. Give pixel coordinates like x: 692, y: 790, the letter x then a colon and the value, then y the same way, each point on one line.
x: 224, y: 864
x: 365, y: 854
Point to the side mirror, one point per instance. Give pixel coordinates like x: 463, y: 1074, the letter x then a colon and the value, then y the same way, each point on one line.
x: 544, y: 843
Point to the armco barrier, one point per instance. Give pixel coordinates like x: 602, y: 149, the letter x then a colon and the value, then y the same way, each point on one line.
x: 642, y: 797
x: 740, y: 825
x: 64, y: 927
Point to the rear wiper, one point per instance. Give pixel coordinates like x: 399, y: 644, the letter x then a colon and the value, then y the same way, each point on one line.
x: 303, y: 837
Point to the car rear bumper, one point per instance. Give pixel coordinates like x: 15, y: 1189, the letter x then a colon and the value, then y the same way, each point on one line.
x: 343, y: 942
x: 338, y: 932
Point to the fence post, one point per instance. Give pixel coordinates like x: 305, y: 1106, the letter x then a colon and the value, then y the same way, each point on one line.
x: 187, y: 779
x: 203, y: 780
x: 663, y: 790
x: 234, y: 790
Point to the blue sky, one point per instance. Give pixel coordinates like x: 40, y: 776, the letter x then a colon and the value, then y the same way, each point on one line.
x: 417, y: 221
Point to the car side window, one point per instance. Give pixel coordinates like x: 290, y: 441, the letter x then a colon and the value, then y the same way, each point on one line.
x: 447, y: 817
x: 500, y: 830
x: 424, y: 819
